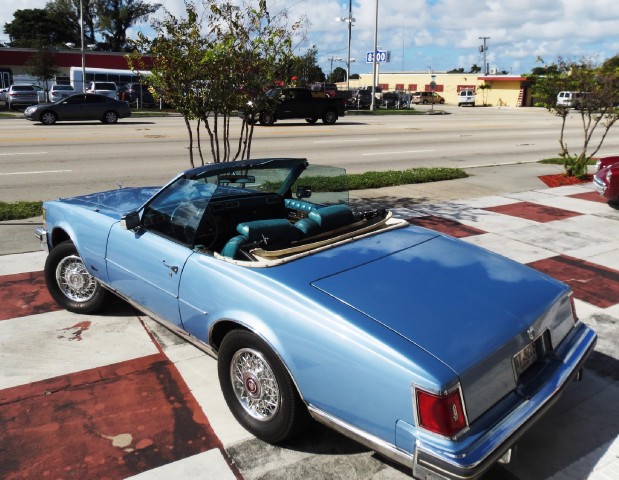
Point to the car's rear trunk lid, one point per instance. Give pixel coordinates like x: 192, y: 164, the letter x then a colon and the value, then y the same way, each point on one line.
x: 469, y: 308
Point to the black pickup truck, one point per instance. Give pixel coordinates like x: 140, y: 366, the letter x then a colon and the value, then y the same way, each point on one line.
x: 298, y: 102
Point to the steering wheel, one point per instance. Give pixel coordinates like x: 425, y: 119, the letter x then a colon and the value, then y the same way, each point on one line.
x: 208, y: 231
x: 182, y: 221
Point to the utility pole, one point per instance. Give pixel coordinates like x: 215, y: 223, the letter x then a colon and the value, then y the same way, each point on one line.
x: 483, y: 49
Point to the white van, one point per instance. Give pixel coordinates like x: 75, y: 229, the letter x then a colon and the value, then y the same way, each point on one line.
x: 466, y: 97
x: 568, y: 99
x: 109, y: 89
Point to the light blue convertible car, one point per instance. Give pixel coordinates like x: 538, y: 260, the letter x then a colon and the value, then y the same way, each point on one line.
x: 433, y: 352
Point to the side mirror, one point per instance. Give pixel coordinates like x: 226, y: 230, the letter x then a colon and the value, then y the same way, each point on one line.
x: 304, y: 192
x: 130, y: 221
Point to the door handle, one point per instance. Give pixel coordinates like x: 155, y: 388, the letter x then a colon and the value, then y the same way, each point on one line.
x: 173, y: 268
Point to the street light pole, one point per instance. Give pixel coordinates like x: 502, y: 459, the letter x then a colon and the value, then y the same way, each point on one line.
x: 372, y: 105
x: 350, y: 21
x: 82, y: 47
x: 483, y: 49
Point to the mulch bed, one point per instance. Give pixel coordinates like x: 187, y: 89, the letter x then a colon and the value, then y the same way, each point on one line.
x: 560, y: 179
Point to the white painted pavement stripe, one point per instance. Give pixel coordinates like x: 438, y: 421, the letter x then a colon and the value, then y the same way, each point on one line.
x: 22, y: 262
x: 209, y: 465
x: 48, y: 345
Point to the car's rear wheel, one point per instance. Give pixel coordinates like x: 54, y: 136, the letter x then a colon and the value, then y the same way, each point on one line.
x: 110, y: 117
x: 69, y: 282
x: 258, y: 389
x: 329, y: 117
x: 48, y: 118
x: 267, y: 119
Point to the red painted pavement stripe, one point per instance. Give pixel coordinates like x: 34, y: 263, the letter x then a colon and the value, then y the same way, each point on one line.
x: 105, y: 423
x: 24, y: 294
x: 446, y: 226
x: 591, y: 196
x: 592, y: 283
x: 533, y: 211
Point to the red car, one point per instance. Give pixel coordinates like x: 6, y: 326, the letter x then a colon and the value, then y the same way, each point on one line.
x: 606, y: 178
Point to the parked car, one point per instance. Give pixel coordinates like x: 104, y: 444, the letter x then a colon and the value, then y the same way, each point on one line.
x: 466, y: 97
x: 109, y: 89
x: 41, y: 95
x: 426, y: 97
x: 3, y: 93
x: 18, y: 95
x: 362, y: 98
x: 434, y: 352
x: 136, y: 92
x: 606, y: 178
x: 58, y: 92
x: 83, y: 106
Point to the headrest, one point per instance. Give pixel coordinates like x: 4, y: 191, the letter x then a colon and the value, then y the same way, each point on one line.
x: 333, y: 216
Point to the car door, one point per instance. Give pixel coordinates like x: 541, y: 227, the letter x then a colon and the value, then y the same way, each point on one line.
x: 146, y: 264
x: 96, y: 106
x: 72, y: 108
x: 146, y: 267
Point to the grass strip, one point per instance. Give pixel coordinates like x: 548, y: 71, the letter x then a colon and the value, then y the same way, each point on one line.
x: 20, y: 210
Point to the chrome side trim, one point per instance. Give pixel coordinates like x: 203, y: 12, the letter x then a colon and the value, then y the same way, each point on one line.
x: 379, y: 445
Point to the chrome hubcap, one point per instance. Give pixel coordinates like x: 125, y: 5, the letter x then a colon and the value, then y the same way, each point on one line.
x: 254, y: 384
x: 74, y: 280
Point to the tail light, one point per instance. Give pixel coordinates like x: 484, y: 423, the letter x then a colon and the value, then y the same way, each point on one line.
x: 441, y: 414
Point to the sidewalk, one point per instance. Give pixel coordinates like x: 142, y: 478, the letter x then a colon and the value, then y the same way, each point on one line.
x: 116, y: 396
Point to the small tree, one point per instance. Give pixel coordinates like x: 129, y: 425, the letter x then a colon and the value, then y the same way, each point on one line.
x: 598, y: 90
x: 42, y: 64
x: 209, y: 75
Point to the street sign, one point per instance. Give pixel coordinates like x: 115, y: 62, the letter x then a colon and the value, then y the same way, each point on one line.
x: 382, y: 56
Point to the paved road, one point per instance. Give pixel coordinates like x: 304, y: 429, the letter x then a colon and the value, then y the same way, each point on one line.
x: 39, y: 162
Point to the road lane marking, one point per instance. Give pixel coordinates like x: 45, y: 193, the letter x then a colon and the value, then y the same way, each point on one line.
x: 396, y: 153
x: 22, y: 153
x: 36, y: 172
x: 355, y: 140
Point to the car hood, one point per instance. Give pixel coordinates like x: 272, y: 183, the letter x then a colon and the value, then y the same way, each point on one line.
x: 115, y: 203
x: 456, y: 301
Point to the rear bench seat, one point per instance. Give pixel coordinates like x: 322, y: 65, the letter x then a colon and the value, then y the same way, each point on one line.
x: 280, y: 233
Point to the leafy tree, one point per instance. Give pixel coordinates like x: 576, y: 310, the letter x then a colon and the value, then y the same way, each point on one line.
x: 114, y: 17
x: 42, y: 64
x: 599, y: 95
x: 210, y: 73
x: 306, y: 68
x: 69, y: 10
x: 33, y: 27
x: 475, y: 68
x: 456, y: 70
x: 338, y: 75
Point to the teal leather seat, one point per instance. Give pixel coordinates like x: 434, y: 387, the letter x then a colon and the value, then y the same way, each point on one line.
x: 332, y: 217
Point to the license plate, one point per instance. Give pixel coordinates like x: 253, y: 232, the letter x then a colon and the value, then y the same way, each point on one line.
x: 524, y: 359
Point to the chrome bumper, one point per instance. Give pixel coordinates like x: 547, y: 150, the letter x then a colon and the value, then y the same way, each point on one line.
x: 600, y: 187
x: 41, y: 234
x: 431, y: 462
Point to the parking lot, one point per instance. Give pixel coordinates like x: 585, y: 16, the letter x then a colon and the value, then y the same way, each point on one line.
x: 117, y: 397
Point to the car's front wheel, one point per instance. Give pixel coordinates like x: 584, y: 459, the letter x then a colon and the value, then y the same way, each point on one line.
x: 311, y: 120
x: 258, y: 389
x: 69, y: 282
x: 48, y: 118
x: 110, y: 117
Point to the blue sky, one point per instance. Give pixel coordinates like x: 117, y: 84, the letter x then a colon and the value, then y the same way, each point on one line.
x: 442, y: 34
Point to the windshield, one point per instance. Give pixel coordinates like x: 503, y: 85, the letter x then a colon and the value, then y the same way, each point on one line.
x: 227, y: 194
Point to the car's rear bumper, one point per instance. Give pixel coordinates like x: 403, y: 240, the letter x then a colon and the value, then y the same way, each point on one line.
x: 432, y: 462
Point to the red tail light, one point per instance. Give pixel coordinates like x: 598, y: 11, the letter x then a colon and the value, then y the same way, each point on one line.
x: 441, y: 414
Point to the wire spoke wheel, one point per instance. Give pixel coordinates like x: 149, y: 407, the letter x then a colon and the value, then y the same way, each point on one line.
x: 254, y: 384
x: 74, y: 280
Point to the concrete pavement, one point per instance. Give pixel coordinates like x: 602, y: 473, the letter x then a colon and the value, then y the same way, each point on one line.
x: 116, y: 396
